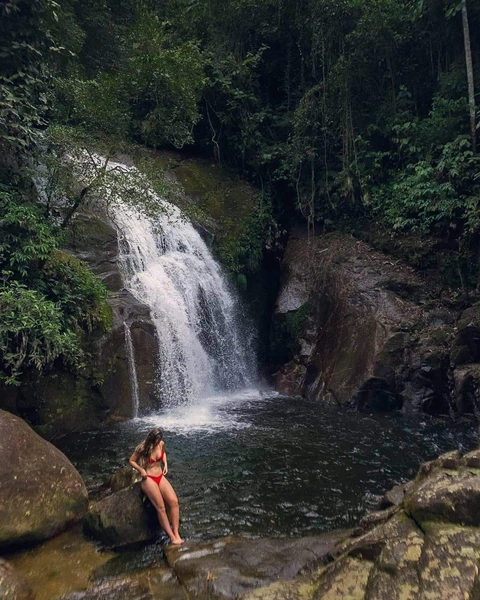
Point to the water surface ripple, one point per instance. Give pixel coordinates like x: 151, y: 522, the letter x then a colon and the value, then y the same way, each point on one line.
x: 260, y: 464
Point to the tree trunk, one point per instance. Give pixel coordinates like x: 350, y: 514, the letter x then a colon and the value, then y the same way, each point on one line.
x: 471, y: 88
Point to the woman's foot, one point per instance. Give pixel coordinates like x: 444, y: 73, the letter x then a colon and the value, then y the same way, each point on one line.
x: 176, y: 541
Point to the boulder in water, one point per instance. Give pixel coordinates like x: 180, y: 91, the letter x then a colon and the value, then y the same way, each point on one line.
x: 41, y: 492
x: 122, y: 519
x: 12, y: 585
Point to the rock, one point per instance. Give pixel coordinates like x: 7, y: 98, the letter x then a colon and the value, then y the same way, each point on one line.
x: 122, y: 479
x: 147, y: 584
x: 12, y: 585
x: 466, y: 346
x: 116, y: 389
x: 94, y: 239
x: 449, y: 564
x: 395, y: 573
x: 393, y: 497
x: 376, y: 518
x: 345, y: 578
x: 376, y: 395
x: 290, y: 379
x: 467, y: 388
x: 472, y: 459
x: 41, y: 492
x: 426, y: 385
x: 122, y: 519
x: 360, y: 336
x: 376, y: 336
x: 62, y: 401
x: 397, y: 560
x: 445, y: 497
x: 121, y: 589
x: 45, y: 566
x: 230, y: 567
x: 449, y: 460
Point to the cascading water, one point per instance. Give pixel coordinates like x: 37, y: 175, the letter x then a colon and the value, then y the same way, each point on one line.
x: 168, y: 266
x: 132, y: 369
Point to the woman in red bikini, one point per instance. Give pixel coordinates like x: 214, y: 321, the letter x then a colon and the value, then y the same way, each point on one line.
x: 147, y: 459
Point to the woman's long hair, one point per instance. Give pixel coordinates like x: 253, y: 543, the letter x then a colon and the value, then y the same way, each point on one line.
x: 145, y: 449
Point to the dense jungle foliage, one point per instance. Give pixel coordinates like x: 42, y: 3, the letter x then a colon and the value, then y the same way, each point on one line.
x: 340, y: 110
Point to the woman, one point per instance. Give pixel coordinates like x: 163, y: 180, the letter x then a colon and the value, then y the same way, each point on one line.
x: 147, y: 459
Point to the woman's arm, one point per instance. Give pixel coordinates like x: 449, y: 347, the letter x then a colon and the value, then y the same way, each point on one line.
x: 165, y: 464
x: 132, y: 461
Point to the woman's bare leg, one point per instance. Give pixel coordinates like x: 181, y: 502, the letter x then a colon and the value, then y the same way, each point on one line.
x: 151, y: 489
x: 170, y: 497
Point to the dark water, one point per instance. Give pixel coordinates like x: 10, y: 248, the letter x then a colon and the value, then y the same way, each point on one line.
x: 274, y: 466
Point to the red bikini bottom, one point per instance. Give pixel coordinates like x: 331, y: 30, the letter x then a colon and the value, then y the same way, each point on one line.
x: 156, y: 478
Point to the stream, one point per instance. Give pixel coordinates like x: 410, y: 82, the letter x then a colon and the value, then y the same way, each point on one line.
x: 260, y: 464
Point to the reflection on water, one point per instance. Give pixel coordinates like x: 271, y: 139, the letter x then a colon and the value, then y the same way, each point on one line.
x: 258, y: 464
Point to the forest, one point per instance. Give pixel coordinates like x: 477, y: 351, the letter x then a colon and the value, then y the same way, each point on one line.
x: 344, y: 113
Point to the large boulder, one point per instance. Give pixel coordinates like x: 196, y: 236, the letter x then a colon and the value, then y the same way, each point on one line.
x: 41, y: 492
x: 356, y: 321
x: 122, y: 519
x: 230, y: 567
x: 445, y: 496
x: 12, y: 585
x: 364, y: 330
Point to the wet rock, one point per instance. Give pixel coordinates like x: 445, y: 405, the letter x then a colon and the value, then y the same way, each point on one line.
x: 122, y: 519
x: 112, y: 590
x: 94, y: 239
x: 393, y: 497
x: 116, y: 389
x: 360, y: 336
x: 467, y: 388
x: 472, y: 459
x: 449, y: 564
x: 376, y: 336
x: 41, y: 492
x: 376, y: 395
x: 426, y: 385
x: 345, y: 578
x: 446, y: 497
x: 160, y: 580
x: 290, y: 379
x: 12, y: 585
x: 45, y: 566
x: 122, y: 479
x: 373, y: 519
x: 230, y: 567
x: 395, y: 573
x: 466, y: 346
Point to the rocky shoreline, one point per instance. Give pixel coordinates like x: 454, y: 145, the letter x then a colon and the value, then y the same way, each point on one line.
x: 422, y: 543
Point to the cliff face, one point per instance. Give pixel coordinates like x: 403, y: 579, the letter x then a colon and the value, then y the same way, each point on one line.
x: 62, y: 401
x: 371, y: 332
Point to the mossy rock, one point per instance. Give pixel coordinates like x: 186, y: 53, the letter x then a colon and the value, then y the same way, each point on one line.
x: 48, y: 491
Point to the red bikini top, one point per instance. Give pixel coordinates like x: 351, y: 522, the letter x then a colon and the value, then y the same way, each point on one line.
x: 154, y: 460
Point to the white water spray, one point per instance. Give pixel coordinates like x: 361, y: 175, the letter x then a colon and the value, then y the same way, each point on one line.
x: 167, y: 266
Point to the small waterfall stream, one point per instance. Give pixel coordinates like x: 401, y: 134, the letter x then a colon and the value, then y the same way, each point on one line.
x: 167, y: 265
x: 132, y: 370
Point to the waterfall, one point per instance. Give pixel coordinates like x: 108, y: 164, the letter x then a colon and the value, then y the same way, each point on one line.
x: 167, y: 266
x: 132, y: 370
